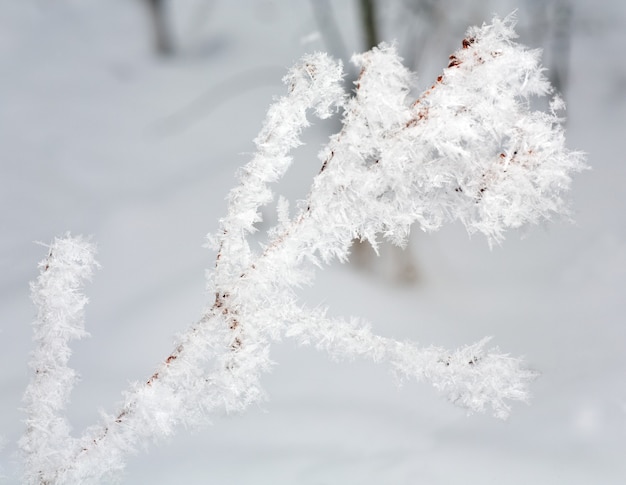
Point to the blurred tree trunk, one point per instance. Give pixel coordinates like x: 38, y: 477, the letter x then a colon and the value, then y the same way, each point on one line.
x: 369, y: 23
x: 158, y: 18
x: 551, y: 30
x: 559, y: 68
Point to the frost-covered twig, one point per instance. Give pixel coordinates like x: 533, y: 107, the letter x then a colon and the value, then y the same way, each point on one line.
x: 470, y: 148
x: 469, y: 377
x: 60, y: 303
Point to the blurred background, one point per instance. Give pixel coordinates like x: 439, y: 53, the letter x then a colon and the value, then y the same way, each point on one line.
x: 127, y: 120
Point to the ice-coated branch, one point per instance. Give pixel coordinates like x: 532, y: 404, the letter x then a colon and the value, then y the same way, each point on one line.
x: 57, y: 294
x: 314, y: 83
x: 470, y: 377
x: 470, y: 148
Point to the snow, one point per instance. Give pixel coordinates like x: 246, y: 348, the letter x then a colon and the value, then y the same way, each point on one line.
x: 100, y: 137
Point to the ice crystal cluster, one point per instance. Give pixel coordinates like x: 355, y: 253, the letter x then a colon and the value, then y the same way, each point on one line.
x: 470, y: 148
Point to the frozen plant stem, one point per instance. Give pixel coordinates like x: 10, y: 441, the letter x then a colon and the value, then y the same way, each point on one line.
x: 60, y: 304
x: 470, y: 149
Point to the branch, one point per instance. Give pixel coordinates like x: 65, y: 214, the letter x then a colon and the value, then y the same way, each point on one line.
x: 468, y: 149
x: 60, y: 303
x: 470, y: 377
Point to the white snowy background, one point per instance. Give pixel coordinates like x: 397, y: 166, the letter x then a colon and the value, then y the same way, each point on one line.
x: 100, y: 136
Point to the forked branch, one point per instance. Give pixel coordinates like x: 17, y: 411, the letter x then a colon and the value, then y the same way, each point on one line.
x: 470, y: 148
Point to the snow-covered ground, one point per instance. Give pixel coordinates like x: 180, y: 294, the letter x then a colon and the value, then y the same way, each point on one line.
x: 101, y: 137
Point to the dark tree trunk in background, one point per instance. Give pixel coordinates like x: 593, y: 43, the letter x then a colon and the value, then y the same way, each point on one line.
x: 560, y: 48
x: 158, y: 17
x: 551, y: 30
x: 368, y: 20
